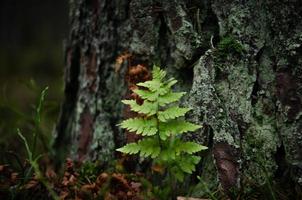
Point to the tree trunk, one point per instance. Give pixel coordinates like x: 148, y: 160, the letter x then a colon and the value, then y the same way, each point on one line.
x: 240, y: 62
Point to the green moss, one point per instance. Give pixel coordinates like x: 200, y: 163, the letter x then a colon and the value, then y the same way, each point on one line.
x: 89, y: 171
x: 228, y: 51
x: 229, y: 45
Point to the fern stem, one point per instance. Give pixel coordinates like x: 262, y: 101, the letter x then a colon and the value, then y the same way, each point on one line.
x: 157, y: 126
x: 158, y: 136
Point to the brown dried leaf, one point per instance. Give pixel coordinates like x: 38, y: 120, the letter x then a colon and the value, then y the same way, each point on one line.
x: 136, y: 186
x: 88, y: 187
x: 31, y: 184
x: 137, y: 73
x: 72, y: 179
x: 50, y: 173
x: 109, y: 196
x: 119, y: 61
x: 121, y: 179
x: 69, y: 164
x: 65, y: 181
x: 101, y: 179
x: 13, y: 177
x: 63, y: 195
x: 66, y: 174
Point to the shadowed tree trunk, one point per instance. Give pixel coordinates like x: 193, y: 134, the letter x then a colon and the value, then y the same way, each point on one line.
x: 239, y: 61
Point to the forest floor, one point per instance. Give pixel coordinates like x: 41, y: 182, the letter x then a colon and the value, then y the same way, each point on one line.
x: 79, y: 182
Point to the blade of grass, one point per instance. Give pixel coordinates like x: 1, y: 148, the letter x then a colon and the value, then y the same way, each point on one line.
x: 37, y: 118
x: 29, y: 153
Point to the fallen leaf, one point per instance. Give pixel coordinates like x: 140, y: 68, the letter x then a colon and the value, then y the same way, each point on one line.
x: 119, y: 61
x: 101, y: 179
x: 121, y: 179
x: 88, y: 187
x: 31, y: 184
x: 50, y: 173
x: 13, y: 177
x: 136, y: 186
x: 63, y: 195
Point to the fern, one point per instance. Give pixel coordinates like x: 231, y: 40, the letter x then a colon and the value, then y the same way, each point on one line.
x: 172, y: 113
x: 147, y: 108
x: 161, y: 126
x: 146, y: 127
x: 146, y: 147
x: 175, y: 127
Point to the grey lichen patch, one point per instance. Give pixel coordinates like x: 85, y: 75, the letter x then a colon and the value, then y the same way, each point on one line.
x: 75, y: 129
x: 102, y: 146
x: 208, y: 107
x: 239, y: 20
x: 116, y: 89
x: 259, y: 147
x: 261, y: 137
x: 235, y: 90
x: 109, y: 111
x: 222, y: 136
x: 85, y: 100
x: 210, y: 110
x: 292, y: 137
x: 183, y: 35
x: 186, y: 39
x: 144, y: 26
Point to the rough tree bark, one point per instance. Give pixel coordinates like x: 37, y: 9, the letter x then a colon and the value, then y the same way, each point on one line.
x: 240, y: 61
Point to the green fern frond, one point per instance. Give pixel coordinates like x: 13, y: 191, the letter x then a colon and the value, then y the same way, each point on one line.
x: 146, y: 95
x: 145, y: 127
x: 131, y: 148
x: 162, y: 100
x: 187, y: 163
x: 178, y: 173
x: 158, y: 73
x: 178, y: 147
x: 166, y: 87
x: 145, y: 147
x: 156, y: 86
x: 149, y: 147
x: 188, y: 147
x: 170, y: 98
x: 153, y: 85
x: 172, y: 113
x: 169, y: 83
x: 175, y: 127
x: 184, y: 165
x: 147, y: 108
x: 167, y: 154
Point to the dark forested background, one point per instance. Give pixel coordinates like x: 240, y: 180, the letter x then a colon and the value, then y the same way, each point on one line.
x: 31, y: 58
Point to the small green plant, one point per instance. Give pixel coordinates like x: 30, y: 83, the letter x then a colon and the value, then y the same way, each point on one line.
x: 161, y: 124
x: 32, y: 158
x: 229, y: 45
